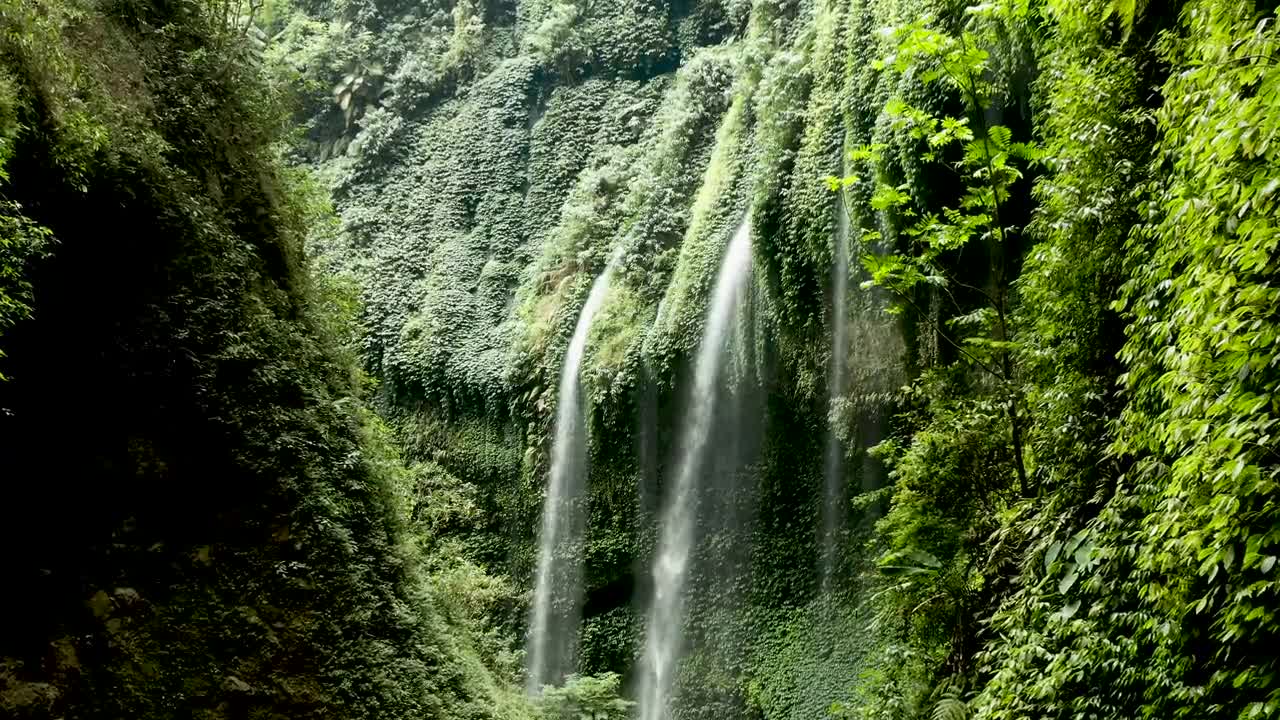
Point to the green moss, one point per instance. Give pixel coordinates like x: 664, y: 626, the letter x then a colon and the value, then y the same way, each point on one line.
x: 519, y: 146
x: 548, y: 159
x: 712, y: 220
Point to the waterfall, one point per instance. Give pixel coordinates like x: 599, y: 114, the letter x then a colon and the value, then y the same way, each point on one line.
x: 664, y: 635
x: 557, y: 599
x: 834, y: 496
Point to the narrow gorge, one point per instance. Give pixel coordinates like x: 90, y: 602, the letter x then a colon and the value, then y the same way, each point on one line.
x: 652, y: 359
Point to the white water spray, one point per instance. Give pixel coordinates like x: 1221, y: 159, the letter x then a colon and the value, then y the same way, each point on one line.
x: 665, y: 632
x: 834, y: 497
x: 556, y: 612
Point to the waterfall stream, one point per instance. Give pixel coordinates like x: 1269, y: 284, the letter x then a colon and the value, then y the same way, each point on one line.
x: 557, y: 599
x: 834, y: 495
x: 664, y: 635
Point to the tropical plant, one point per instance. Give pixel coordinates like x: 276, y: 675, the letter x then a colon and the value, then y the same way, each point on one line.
x: 585, y: 697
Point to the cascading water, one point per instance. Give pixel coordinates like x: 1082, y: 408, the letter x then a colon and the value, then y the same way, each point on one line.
x: 664, y: 635
x: 553, y: 623
x: 834, y: 496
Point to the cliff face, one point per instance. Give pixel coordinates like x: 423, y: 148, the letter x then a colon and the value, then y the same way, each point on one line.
x: 505, y: 154
x: 198, y: 517
x: 486, y: 160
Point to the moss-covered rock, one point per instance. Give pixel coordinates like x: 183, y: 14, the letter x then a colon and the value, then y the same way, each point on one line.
x: 199, y: 516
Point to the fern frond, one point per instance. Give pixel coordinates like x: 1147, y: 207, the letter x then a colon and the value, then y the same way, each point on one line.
x: 950, y: 708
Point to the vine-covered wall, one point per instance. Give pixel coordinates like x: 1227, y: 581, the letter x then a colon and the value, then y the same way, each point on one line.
x: 475, y: 215
x: 263, y: 460
x: 1033, y: 191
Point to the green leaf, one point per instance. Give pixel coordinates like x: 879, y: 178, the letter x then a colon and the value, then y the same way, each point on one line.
x: 1069, y: 610
x: 1084, y: 554
x: 1000, y: 136
x: 1051, y: 555
x: 1069, y: 580
x: 950, y: 709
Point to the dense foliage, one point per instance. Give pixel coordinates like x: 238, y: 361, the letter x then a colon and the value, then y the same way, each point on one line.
x: 309, y: 375
x: 1115, y: 563
x: 1061, y: 349
x: 199, y: 518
